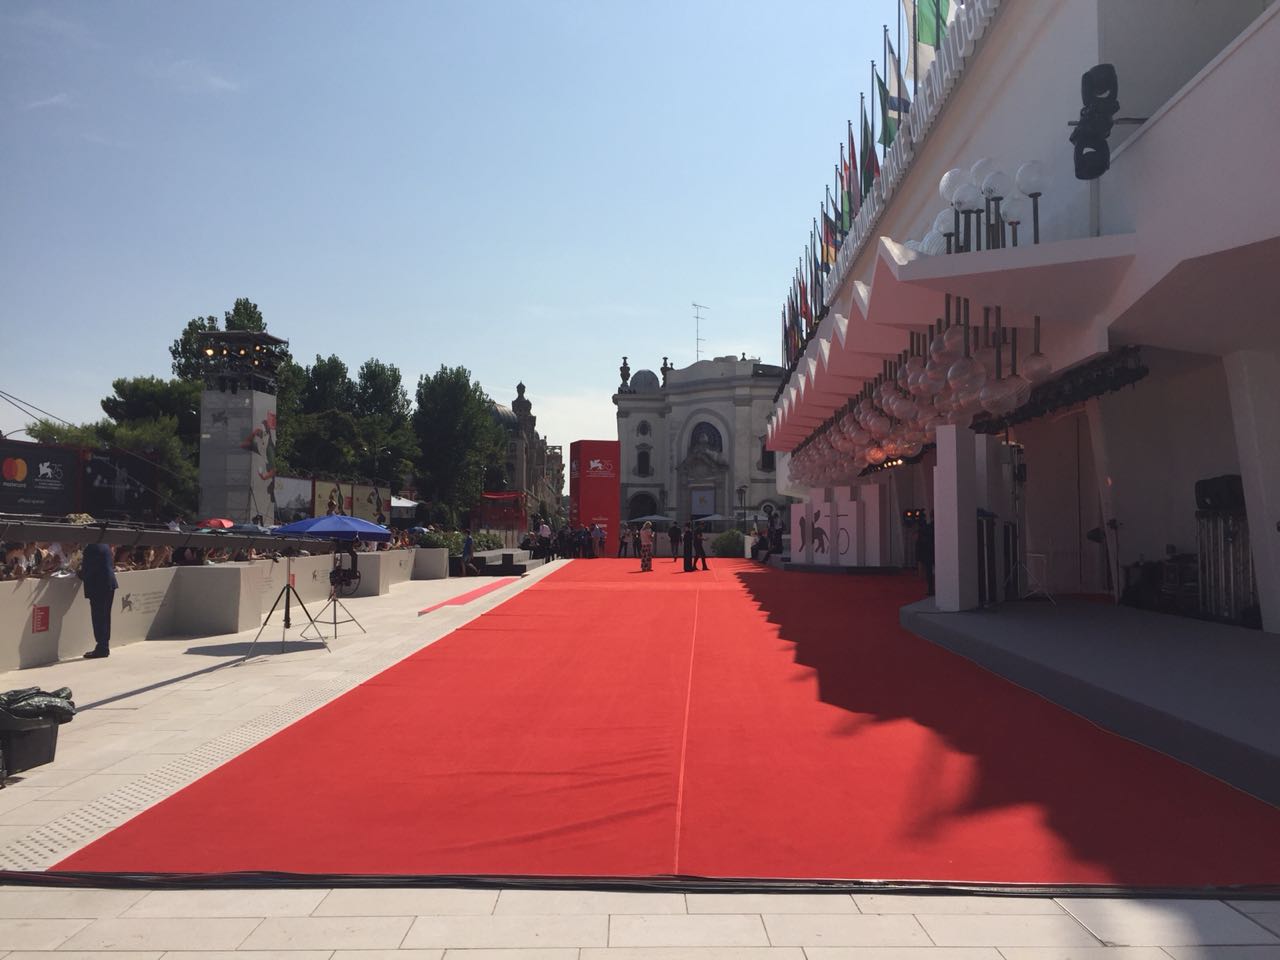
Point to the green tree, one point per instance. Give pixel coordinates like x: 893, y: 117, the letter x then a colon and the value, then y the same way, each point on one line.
x: 327, y: 386
x: 382, y: 404
x: 188, y: 361
x: 153, y: 439
x: 457, y: 436
x: 379, y: 391
x: 146, y: 398
x: 244, y: 315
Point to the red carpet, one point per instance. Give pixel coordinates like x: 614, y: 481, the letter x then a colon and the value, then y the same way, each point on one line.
x: 464, y: 598
x: 740, y: 722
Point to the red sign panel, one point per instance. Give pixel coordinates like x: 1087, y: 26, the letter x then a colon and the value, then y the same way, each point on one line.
x: 39, y: 619
x: 594, y: 489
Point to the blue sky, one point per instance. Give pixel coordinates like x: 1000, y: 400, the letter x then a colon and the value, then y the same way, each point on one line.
x: 531, y: 190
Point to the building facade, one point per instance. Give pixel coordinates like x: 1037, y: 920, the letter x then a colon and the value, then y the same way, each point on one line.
x: 1147, y: 344
x: 531, y: 477
x: 692, y: 443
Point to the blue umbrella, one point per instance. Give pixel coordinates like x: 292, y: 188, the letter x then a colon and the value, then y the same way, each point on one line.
x: 336, y: 527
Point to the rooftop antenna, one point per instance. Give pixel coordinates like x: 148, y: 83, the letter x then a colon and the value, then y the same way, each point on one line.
x: 698, y: 341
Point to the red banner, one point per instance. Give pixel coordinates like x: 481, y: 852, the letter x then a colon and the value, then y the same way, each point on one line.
x: 594, y: 487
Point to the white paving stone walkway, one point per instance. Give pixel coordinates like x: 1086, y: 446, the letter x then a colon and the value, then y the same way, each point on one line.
x: 162, y: 713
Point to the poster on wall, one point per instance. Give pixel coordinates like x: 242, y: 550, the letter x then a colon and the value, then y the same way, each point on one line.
x: 844, y: 528
x: 293, y: 499
x: 119, y: 485
x: 702, y: 501
x: 370, y: 502
x: 37, y: 478
x: 820, y: 539
x: 331, y: 498
x: 800, y: 532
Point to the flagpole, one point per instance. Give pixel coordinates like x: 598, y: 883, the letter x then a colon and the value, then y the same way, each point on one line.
x: 884, y: 147
x: 873, y: 106
x: 901, y: 78
x: 862, y: 149
x: 915, y: 49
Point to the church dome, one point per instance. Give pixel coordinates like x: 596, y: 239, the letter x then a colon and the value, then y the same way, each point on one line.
x: 645, y: 381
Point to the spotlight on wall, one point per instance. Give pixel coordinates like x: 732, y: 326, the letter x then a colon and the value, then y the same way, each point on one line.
x: 1099, y: 91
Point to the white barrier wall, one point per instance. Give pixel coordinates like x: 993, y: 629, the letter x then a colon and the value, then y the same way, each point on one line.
x: 46, y: 620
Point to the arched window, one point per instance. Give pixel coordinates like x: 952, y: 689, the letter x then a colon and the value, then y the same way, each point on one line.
x: 707, y: 436
x: 643, y: 429
x: 643, y: 467
x: 641, y: 505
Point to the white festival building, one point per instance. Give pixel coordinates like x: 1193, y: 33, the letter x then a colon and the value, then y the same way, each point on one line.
x: 1094, y: 471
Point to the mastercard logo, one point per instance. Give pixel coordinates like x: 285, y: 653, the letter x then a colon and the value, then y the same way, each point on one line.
x: 14, y: 469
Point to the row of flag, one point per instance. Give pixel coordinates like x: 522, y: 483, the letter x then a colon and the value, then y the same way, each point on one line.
x: 858, y: 167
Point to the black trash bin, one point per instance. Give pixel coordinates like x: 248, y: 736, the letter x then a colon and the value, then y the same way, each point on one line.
x: 25, y: 743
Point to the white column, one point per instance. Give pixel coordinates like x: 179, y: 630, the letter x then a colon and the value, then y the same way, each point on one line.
x: 872, y: 497
x: 986, y: 466
x: 1253, y: 382
x: 955, y: 525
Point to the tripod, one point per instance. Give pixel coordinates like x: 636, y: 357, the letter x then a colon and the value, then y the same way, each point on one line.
x: 287, y: 593
x: 332, y: 605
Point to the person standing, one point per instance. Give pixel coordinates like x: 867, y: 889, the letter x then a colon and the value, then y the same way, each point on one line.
x: 544, y: 539
x: 924, y: 549
x: 646, y: 547
x: 97, y: 570
x: 688, y: 549
x: 623, y: 537
x: 673, y: 534
x: 468, y: 554
x: 699, y: 551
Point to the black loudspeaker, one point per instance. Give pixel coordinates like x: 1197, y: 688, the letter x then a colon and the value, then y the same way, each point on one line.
x: 1221, y: 493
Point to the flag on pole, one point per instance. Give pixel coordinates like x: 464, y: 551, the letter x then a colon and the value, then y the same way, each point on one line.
x: 889, y: 125
x: 870, y: 165
x: 931, y: 18
x: 897, y: 98
x: 853, y: 198
x: 805, y: 314
x: 829, y: 244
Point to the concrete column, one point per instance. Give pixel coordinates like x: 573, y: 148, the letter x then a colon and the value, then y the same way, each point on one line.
x: 1253, y: 383
x: 955, y: 527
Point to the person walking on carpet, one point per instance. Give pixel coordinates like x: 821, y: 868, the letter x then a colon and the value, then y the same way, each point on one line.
x: 673, y: 534
x: 646, y: 547
x: 97, y: 570
x: 699, y: 551
x: 687, y: 540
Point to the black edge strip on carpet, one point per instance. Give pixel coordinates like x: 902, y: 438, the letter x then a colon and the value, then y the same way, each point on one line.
x: 657, y: 884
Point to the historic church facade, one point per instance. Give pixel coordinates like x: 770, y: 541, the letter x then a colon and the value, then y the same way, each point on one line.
x: 692, y: 442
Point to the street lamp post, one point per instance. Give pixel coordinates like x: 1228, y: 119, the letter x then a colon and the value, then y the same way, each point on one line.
x: 742, y: 507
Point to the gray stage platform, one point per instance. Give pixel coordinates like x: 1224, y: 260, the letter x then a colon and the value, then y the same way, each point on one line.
x: 1204, y: 693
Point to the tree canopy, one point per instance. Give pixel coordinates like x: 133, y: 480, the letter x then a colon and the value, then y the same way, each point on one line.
x: 457, y: 436
x: 443, y: 438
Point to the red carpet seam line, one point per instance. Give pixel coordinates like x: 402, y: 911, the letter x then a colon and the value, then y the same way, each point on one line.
x: 684, y: 737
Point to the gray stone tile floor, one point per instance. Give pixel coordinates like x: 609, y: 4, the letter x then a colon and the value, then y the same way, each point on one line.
x: 168, y: 710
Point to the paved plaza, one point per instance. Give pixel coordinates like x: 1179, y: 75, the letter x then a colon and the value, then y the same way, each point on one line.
x: 158, y: 715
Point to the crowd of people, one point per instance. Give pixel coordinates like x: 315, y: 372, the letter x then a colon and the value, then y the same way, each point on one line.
x: 634, y: 539
x: 41, y: 559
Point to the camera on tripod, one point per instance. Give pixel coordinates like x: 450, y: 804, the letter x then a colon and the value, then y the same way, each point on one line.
x: 345, y: 580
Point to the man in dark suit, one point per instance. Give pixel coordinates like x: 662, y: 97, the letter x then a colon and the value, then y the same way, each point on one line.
x: 97, y: 570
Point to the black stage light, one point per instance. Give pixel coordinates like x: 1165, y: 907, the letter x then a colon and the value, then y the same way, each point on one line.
x: 1099, y: 91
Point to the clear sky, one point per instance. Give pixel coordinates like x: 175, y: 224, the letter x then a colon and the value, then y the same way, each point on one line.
x: 528, y: 189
